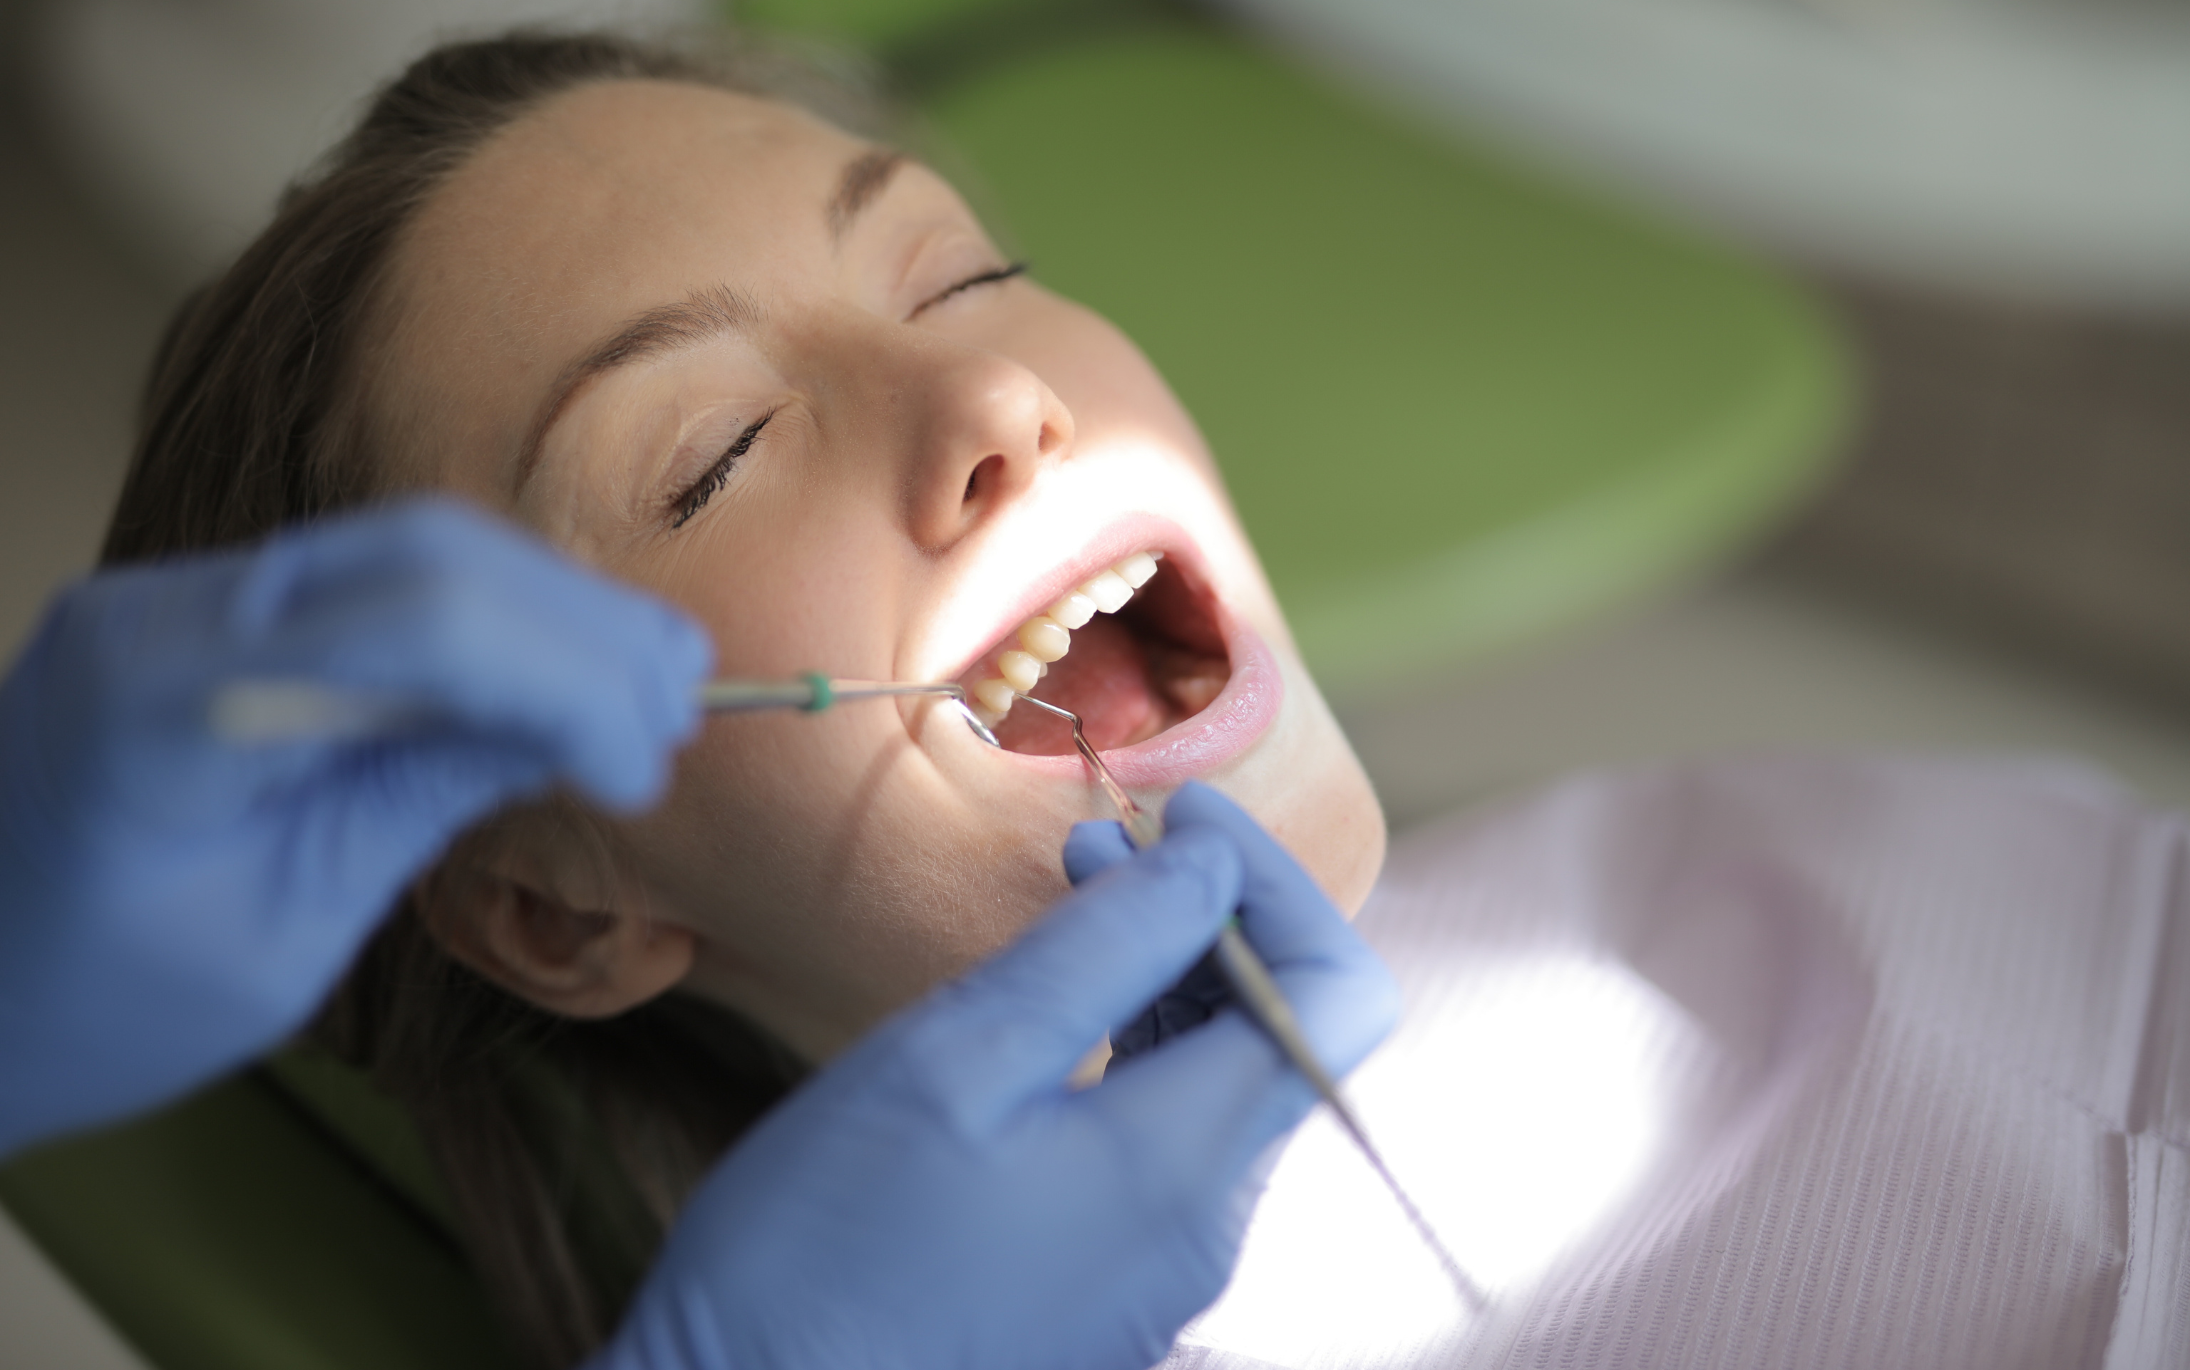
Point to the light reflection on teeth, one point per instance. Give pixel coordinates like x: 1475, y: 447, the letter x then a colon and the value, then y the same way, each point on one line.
x: 1019, y: 670
x: 1109, y: 591
x: 1045, y: 637
x: 1074, y: 610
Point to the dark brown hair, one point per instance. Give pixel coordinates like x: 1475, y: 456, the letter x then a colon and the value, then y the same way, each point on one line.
x: 566, y: 1146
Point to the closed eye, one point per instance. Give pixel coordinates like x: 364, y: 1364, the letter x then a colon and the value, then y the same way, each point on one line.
x: 989, y: 277
x: 718, y: 475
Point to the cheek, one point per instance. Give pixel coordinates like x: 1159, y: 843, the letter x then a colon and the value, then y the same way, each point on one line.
x: 1306, y: 786
x: 822, y: 860
x: 783, y: 591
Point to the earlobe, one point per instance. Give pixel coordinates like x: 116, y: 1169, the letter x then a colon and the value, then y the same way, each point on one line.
x: 581, y: 963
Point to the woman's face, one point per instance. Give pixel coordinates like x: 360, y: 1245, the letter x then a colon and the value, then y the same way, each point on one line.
x: 725, y: 352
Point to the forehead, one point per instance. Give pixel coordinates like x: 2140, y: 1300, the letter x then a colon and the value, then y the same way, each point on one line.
x: 602, y: 179
x: 607, y: 199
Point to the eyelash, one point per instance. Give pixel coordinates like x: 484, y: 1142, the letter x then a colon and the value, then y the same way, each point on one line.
x: 1002, y: 273
x: 695, y: 499
x: 689, y: 504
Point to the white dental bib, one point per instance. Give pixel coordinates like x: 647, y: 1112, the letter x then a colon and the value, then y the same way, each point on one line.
x: 1792, y: 1063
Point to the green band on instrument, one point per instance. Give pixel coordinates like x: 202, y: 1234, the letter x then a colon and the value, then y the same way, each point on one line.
x: 823, y: 696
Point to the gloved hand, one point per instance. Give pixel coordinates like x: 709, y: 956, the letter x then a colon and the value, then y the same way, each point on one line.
x: 171, y: 904
x: 939, y: 1196
x: 1190, y: 1001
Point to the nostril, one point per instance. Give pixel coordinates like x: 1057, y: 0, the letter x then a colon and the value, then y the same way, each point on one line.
x: 976, y: 479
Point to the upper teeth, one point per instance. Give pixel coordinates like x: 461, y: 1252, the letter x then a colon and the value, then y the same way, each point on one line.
x: 1047, y: 636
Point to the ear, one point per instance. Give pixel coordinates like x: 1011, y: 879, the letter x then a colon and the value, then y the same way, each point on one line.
x: 581, y: 963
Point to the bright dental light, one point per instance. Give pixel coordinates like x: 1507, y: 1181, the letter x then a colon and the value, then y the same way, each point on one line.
x: 1520, y: 1109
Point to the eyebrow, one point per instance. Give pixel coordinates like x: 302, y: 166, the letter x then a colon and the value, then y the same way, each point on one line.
x: 863, y: 178
x: 699, y: 317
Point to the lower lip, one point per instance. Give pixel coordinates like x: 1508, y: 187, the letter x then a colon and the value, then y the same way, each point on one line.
x: 1234, y: 721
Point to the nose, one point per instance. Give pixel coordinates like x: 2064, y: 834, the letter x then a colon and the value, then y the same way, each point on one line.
x: 987, y: 427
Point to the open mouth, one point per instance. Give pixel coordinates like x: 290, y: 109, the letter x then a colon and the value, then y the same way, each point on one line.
x: 1135, y: 650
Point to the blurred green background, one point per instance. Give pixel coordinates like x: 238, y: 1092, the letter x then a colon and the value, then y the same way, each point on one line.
x: 1458, y: 405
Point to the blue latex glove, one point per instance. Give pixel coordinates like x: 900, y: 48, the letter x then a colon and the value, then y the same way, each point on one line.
x: 1187, y: 1003
x: 940, y: 1197
x: 171, y: 904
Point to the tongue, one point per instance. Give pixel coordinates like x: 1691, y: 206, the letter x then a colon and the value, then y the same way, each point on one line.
x: 1104, y: 679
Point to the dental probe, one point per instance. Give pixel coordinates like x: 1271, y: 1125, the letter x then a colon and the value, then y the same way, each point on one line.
x: 261, y: 711
x: 814, y: 692
x: 1266, y: 1005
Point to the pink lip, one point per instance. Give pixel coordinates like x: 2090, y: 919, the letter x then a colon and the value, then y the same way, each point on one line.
x: 1234, y: 721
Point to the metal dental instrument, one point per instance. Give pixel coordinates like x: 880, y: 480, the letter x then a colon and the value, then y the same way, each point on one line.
x: 263, y: 711
x: 1265, y: 1003
x: 814, y: 692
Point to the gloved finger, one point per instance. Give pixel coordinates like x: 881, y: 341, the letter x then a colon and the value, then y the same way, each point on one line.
x: 1017, y: 1024
x: 412, y: 796
x: 331, y: 890
x: 588, y: 719
x: 1290, y: 903
x: 1202, y: 1107
x: 1288, y: 915
x: 1215, y: 1098
x: 1342, y: 993
x: 474, y: 625
x: 473, y: 588
x: 1193, y: 999
x: 1093, y: 848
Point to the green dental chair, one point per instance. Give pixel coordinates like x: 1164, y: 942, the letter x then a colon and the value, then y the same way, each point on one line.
x: 1458, y: 407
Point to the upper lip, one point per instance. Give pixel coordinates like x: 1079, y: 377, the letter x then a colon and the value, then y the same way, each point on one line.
x: 1115, y: 542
